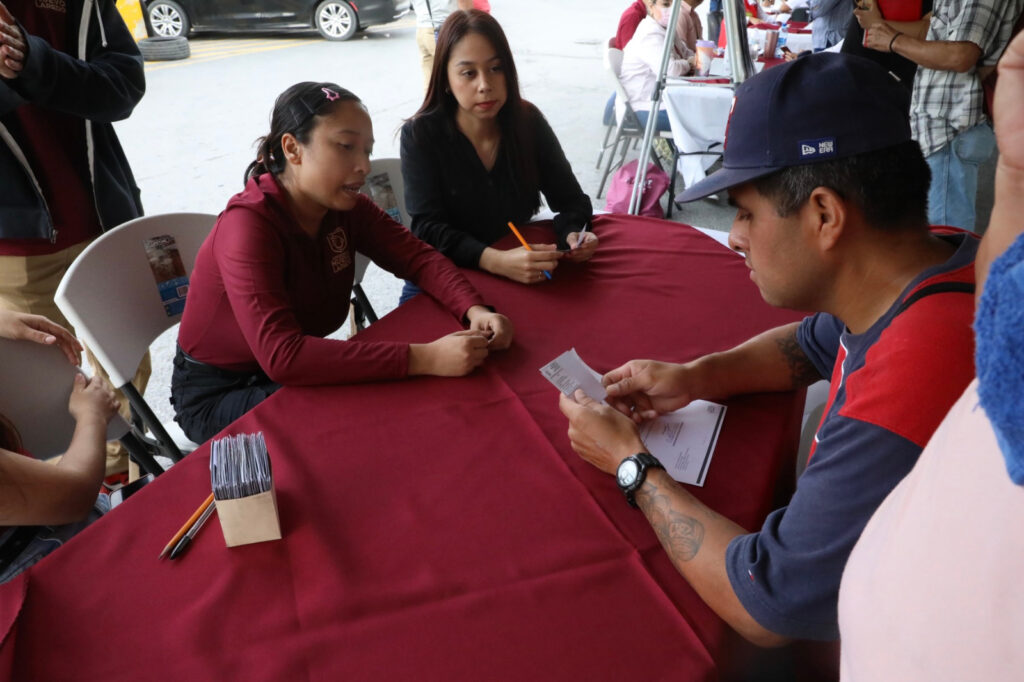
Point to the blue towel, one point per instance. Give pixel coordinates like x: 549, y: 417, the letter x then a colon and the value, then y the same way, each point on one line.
x: 999, y: 331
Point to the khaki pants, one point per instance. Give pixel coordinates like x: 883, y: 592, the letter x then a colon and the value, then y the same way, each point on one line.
x: 426, y: 43
x: 28, y: 284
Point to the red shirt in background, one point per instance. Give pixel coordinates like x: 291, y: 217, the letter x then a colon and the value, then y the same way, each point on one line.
x: 54, y: 144
x: 628, y: 22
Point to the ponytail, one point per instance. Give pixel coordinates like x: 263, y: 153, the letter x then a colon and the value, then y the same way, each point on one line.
x: 295, y: 112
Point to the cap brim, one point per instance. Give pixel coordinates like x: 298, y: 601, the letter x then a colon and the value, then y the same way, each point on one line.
x: 721, y: 180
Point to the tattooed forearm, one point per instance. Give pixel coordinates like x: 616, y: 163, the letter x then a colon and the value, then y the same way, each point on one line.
x: 802, y: 370
x: 680, y: 535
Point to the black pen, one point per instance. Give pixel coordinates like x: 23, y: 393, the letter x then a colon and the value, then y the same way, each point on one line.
x: 186, y: 539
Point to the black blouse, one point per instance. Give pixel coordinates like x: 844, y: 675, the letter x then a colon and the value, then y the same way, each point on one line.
x: 460, y: 208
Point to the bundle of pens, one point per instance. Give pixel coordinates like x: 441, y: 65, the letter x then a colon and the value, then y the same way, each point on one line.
x: 243, y: 488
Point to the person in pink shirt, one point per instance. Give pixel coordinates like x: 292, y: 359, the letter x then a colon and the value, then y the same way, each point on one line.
x: 932, y: 589
x: 688, y: 25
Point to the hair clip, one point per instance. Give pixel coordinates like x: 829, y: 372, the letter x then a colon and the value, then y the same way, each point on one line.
x: 330, y: 94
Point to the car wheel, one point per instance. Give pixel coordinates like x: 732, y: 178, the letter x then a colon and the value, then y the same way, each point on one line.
x: 164, y: 48
x: 167, y: 19
x: 335, y: 19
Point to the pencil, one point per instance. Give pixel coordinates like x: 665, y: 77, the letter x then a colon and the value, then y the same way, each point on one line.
x: 184, y: 542
x: 525, y: 245
x: 188, y: 524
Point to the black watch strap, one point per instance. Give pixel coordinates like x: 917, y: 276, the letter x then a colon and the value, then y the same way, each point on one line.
x: 644, y: 461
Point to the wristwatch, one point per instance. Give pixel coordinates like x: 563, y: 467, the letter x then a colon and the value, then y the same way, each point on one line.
x: 632, y: 473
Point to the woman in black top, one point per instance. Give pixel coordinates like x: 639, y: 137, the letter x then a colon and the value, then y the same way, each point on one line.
x: 476, y: 156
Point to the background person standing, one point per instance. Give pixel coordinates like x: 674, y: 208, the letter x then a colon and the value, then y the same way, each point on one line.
x: 68, y: 69
x: 430, y: 14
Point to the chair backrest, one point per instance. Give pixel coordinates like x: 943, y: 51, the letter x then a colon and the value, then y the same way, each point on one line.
x: 385, y: 186
x: 35, y: 383
x: 613, y: 64
x: 129, y: 286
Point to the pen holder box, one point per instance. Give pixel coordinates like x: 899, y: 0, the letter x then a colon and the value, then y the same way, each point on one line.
x: 246, y: 520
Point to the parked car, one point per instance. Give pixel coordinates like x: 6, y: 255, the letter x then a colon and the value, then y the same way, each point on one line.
x: 334, y: 19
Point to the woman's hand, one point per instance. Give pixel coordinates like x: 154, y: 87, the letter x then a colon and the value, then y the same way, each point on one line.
x: 581, y: 251
x: 496, y: 327
x: 521, y: 265
x: 454, y: 355
x: 92, y: 399
x: 22, y: 326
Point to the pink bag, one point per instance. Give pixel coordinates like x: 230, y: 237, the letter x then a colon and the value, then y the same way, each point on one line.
x: 619, y: 191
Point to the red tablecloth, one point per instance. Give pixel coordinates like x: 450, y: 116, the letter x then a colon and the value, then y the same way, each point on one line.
x: 433, y: 528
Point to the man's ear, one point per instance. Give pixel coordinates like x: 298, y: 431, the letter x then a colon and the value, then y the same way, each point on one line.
x: 292, y: 149
x: 830, y: 214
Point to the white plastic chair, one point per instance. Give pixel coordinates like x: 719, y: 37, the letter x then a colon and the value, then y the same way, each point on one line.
x: 385, y: 186
x: 35, y: 383
x: 385, y: 174
x: 111, y: 298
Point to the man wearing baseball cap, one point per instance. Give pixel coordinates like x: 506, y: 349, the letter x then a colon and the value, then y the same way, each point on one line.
x: 831, y: 216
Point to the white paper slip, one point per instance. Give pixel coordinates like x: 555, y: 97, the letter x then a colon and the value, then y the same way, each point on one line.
x: 568, y: 372
x: 685, y: 440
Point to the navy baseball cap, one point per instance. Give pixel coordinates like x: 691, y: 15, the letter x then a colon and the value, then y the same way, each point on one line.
x: 820, y: 107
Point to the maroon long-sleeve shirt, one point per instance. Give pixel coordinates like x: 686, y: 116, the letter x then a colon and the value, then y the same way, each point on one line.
x: 263, y: 293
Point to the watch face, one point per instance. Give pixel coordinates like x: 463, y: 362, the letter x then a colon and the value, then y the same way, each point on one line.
x: 627, y: 473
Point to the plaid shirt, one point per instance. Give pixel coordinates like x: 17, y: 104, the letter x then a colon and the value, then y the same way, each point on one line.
x: 946, y: 103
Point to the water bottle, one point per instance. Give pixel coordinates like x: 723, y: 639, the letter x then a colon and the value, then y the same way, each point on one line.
x: 783, y: 36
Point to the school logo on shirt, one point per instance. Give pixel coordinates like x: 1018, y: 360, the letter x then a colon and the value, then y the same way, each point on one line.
x: 338, y: 241
x: 55, y: 5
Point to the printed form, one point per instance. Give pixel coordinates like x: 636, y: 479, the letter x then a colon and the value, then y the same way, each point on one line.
x: 683, y: 441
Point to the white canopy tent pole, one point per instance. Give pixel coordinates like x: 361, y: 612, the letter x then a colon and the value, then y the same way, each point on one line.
x: 739, y: 62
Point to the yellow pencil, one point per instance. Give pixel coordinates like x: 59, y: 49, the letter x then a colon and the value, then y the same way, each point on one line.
x: 188, y: 524
x: 525, y: 245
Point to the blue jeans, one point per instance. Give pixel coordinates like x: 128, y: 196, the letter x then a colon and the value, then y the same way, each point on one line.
x: 662, y: 120
x: 955, y: 176
x: 408, y: 291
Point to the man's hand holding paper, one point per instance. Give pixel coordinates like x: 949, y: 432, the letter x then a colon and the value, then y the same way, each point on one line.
x: 645, y: 389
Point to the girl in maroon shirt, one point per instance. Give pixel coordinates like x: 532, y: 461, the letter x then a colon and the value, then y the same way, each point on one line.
x: 275, y: 274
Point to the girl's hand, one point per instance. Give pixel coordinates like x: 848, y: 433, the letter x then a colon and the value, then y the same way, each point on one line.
x: 520, y: 265
x: 454, y: 355
x: 14, y: 325
x: 496, y: 327
x: 92, y: 399
x: 581, y: 251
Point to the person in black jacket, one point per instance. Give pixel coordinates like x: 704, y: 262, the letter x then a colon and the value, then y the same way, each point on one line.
x: 476, y: 156
x: 68, y: 69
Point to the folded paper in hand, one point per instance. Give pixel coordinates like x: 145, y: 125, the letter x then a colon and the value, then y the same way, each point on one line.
x: 683, y: 441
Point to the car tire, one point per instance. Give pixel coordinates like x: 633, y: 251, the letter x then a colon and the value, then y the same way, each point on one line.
x: 166, y: 19
x: 334, y: 19
x: 164, y: 49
